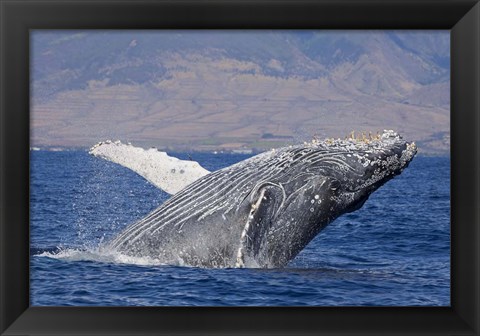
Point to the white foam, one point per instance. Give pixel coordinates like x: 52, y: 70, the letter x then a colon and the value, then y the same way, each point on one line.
x: 165, y: 172
x: 100, y: 255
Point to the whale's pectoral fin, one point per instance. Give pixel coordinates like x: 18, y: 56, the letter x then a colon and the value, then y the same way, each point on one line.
x: 264, y: 203
x: 163, y: 171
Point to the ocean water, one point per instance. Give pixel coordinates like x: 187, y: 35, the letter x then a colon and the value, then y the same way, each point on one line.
x: 394, y: 251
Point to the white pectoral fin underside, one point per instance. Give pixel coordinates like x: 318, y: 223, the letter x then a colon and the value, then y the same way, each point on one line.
x: 163, y: 171
x: 264, y: 204
x: 245, y: 232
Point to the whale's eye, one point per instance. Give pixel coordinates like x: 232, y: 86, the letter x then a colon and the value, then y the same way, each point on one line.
x: 335, y: 184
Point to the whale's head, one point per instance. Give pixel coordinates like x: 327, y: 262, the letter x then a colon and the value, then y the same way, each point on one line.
x: 354, y: 169
x: 324, y: 180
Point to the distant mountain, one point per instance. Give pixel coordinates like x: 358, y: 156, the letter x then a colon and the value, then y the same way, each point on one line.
x: 214, y: 90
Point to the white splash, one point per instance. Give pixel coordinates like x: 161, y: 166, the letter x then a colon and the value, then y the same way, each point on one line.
x: 165, y: 172
x: 100, y: 254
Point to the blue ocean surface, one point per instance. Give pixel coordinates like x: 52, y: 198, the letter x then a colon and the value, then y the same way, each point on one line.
x: 394, y: 251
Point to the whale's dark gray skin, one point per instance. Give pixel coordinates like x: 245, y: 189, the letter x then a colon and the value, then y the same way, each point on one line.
x: 263, y: 211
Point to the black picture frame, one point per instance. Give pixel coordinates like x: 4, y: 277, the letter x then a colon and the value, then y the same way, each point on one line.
x: 18, y: 17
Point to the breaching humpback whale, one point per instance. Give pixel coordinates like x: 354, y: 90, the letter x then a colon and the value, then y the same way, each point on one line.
x: 261, y: 212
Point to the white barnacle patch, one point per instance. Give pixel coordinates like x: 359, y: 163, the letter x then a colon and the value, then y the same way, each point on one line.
x: 393, y: 161
x: 317, y: 197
